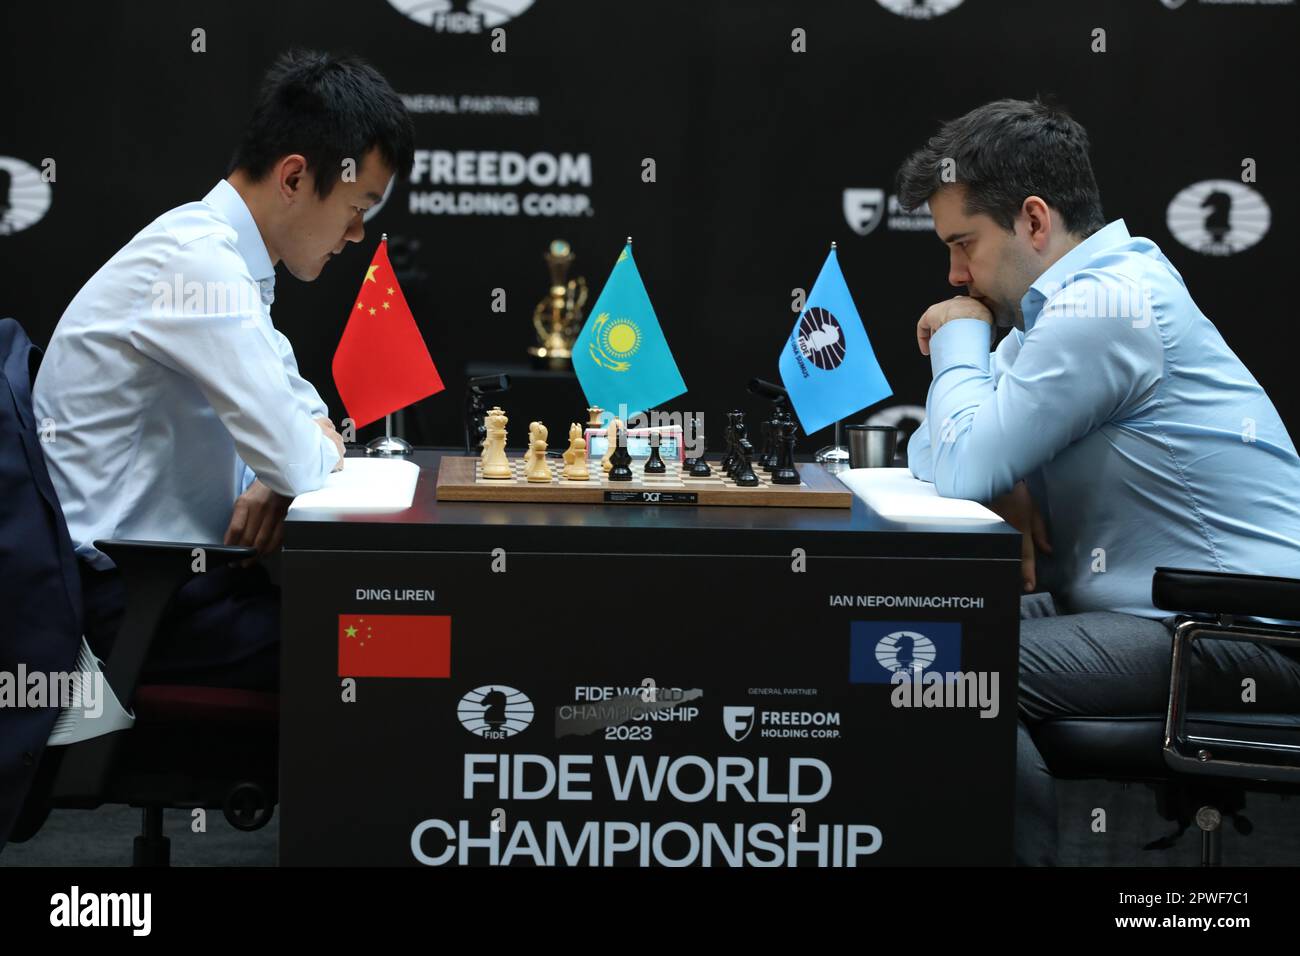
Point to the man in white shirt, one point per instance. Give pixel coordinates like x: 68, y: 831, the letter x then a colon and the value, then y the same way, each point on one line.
x: 176, y: 408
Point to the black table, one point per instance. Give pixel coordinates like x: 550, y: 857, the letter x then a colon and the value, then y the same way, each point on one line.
x: 641, y: 685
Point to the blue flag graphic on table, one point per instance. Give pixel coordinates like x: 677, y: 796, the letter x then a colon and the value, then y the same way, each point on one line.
x: 621, y: 357
x: 827, y: 364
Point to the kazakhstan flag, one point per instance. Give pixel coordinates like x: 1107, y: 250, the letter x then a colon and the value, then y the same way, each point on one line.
x: 622, y: 358
x: 827, y: 365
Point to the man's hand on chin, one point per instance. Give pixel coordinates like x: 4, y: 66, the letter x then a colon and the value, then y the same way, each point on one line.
x: 258, y: 520
x: 958, y: 307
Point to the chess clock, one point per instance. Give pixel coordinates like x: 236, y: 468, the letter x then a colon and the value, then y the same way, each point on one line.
x: 671, y: 445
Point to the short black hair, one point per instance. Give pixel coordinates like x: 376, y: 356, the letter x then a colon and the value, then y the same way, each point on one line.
x: 1004, y: 152
x: 328, y: 108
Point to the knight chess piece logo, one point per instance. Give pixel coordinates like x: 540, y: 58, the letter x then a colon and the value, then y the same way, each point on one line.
x: 495, y: 711
x: 821, y: 339
x: 920, y: 9
x: 909, y: 651
x: 737, y: 722
x: 1218, y: 217
x: 863, y: 209
x: 24, y: 196
x: 461, y: 16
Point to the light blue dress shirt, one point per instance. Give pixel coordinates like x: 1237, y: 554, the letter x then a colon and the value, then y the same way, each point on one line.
x: 165, y: 375
x: 1144, y: 439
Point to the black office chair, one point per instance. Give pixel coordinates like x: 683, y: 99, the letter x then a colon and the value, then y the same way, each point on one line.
x: 190, y: 747
x: 1202, y: 763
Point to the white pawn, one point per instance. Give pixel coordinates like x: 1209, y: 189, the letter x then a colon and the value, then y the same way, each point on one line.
x: 611, y: 439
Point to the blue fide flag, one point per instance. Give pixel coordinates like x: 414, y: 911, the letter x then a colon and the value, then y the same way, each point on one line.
x: 827, y: 364
x: 622, y: 359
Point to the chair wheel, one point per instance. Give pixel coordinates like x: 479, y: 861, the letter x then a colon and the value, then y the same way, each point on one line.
x: 247, y: 807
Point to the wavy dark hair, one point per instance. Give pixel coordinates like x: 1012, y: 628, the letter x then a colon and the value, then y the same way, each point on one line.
x: 1005, y: 152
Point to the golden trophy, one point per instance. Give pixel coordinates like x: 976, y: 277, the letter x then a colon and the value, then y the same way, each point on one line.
x: 558, y: 317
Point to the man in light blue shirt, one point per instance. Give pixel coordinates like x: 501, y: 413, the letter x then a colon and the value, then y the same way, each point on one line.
x: 172, y: 408
x: 1112, y: 425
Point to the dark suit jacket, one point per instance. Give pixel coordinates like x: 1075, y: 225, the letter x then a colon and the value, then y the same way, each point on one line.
x: 40, y: 586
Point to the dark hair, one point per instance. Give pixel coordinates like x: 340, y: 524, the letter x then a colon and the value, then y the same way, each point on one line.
x: 1004, y: 152
x: 328, y: 108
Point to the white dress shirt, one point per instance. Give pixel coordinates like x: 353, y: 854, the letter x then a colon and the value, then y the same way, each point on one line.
x: 165, y: 375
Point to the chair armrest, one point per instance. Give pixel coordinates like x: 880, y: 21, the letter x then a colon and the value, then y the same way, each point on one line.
x: 152, y: 571
x: 1186, y: 591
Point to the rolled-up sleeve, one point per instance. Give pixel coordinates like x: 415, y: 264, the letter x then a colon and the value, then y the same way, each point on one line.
x: 218, y: 336
x: 1077, y: 369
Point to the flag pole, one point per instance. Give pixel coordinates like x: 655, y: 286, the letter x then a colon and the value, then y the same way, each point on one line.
x: 389, y: 445
x: 834, y: 457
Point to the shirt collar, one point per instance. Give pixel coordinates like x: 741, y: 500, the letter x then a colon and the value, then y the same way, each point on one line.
x: 248, y: 239
x: 1050, y: 282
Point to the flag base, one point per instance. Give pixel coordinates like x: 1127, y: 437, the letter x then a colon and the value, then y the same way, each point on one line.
x: 388, y: 445
x: 834, y: 458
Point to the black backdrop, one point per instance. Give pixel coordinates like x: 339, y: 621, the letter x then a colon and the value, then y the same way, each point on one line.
x: 754, y: 146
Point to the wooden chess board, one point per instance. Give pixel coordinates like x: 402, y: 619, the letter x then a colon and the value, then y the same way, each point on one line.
x: 459, y: 479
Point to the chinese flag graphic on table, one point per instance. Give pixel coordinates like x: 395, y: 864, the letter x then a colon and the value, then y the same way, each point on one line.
x: 382, y: 363
x: 394, y: 645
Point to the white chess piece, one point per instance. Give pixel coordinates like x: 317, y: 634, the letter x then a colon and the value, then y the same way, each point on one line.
x: 611, y: 438
x: 537, y: 469
x: 575, y: 458
x: 528, y: 454
x: 495, y: 462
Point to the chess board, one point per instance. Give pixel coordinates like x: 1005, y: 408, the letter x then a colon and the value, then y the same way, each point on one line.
x: 460, y: 479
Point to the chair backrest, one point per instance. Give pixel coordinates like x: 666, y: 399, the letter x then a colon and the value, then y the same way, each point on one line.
x: 40, y: 585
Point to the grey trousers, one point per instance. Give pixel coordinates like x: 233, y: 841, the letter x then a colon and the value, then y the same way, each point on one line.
x: 1101, y: 663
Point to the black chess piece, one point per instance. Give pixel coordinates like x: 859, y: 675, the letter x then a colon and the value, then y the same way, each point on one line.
x: 620, y: 462
x: 655, y: 463
x: 729, y: 443
x: 784, y: 473
x: 739, y: 440
x: 743, y: 473
x: 701, y: 469
x: 767, y: 456
x: 690, y: 432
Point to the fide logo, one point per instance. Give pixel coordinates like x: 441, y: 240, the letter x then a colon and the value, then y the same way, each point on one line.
x: 24, y: 196
x: 495, y: 711
x: 737, y: 722
x: 908, y: 651
x: 461, y: 16
x: 1218, y: 217
x: 821, y: 339
x: 920, y: 9
x: 863, y: 208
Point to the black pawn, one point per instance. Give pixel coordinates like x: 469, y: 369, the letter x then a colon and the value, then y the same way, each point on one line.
x: 620, y: 464
x: 655, y: 464
x: 743, y: 473
x: 701, y: 469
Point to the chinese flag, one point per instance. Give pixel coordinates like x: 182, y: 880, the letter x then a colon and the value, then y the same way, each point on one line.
x: 394, y: 645
x: 382, y: 363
